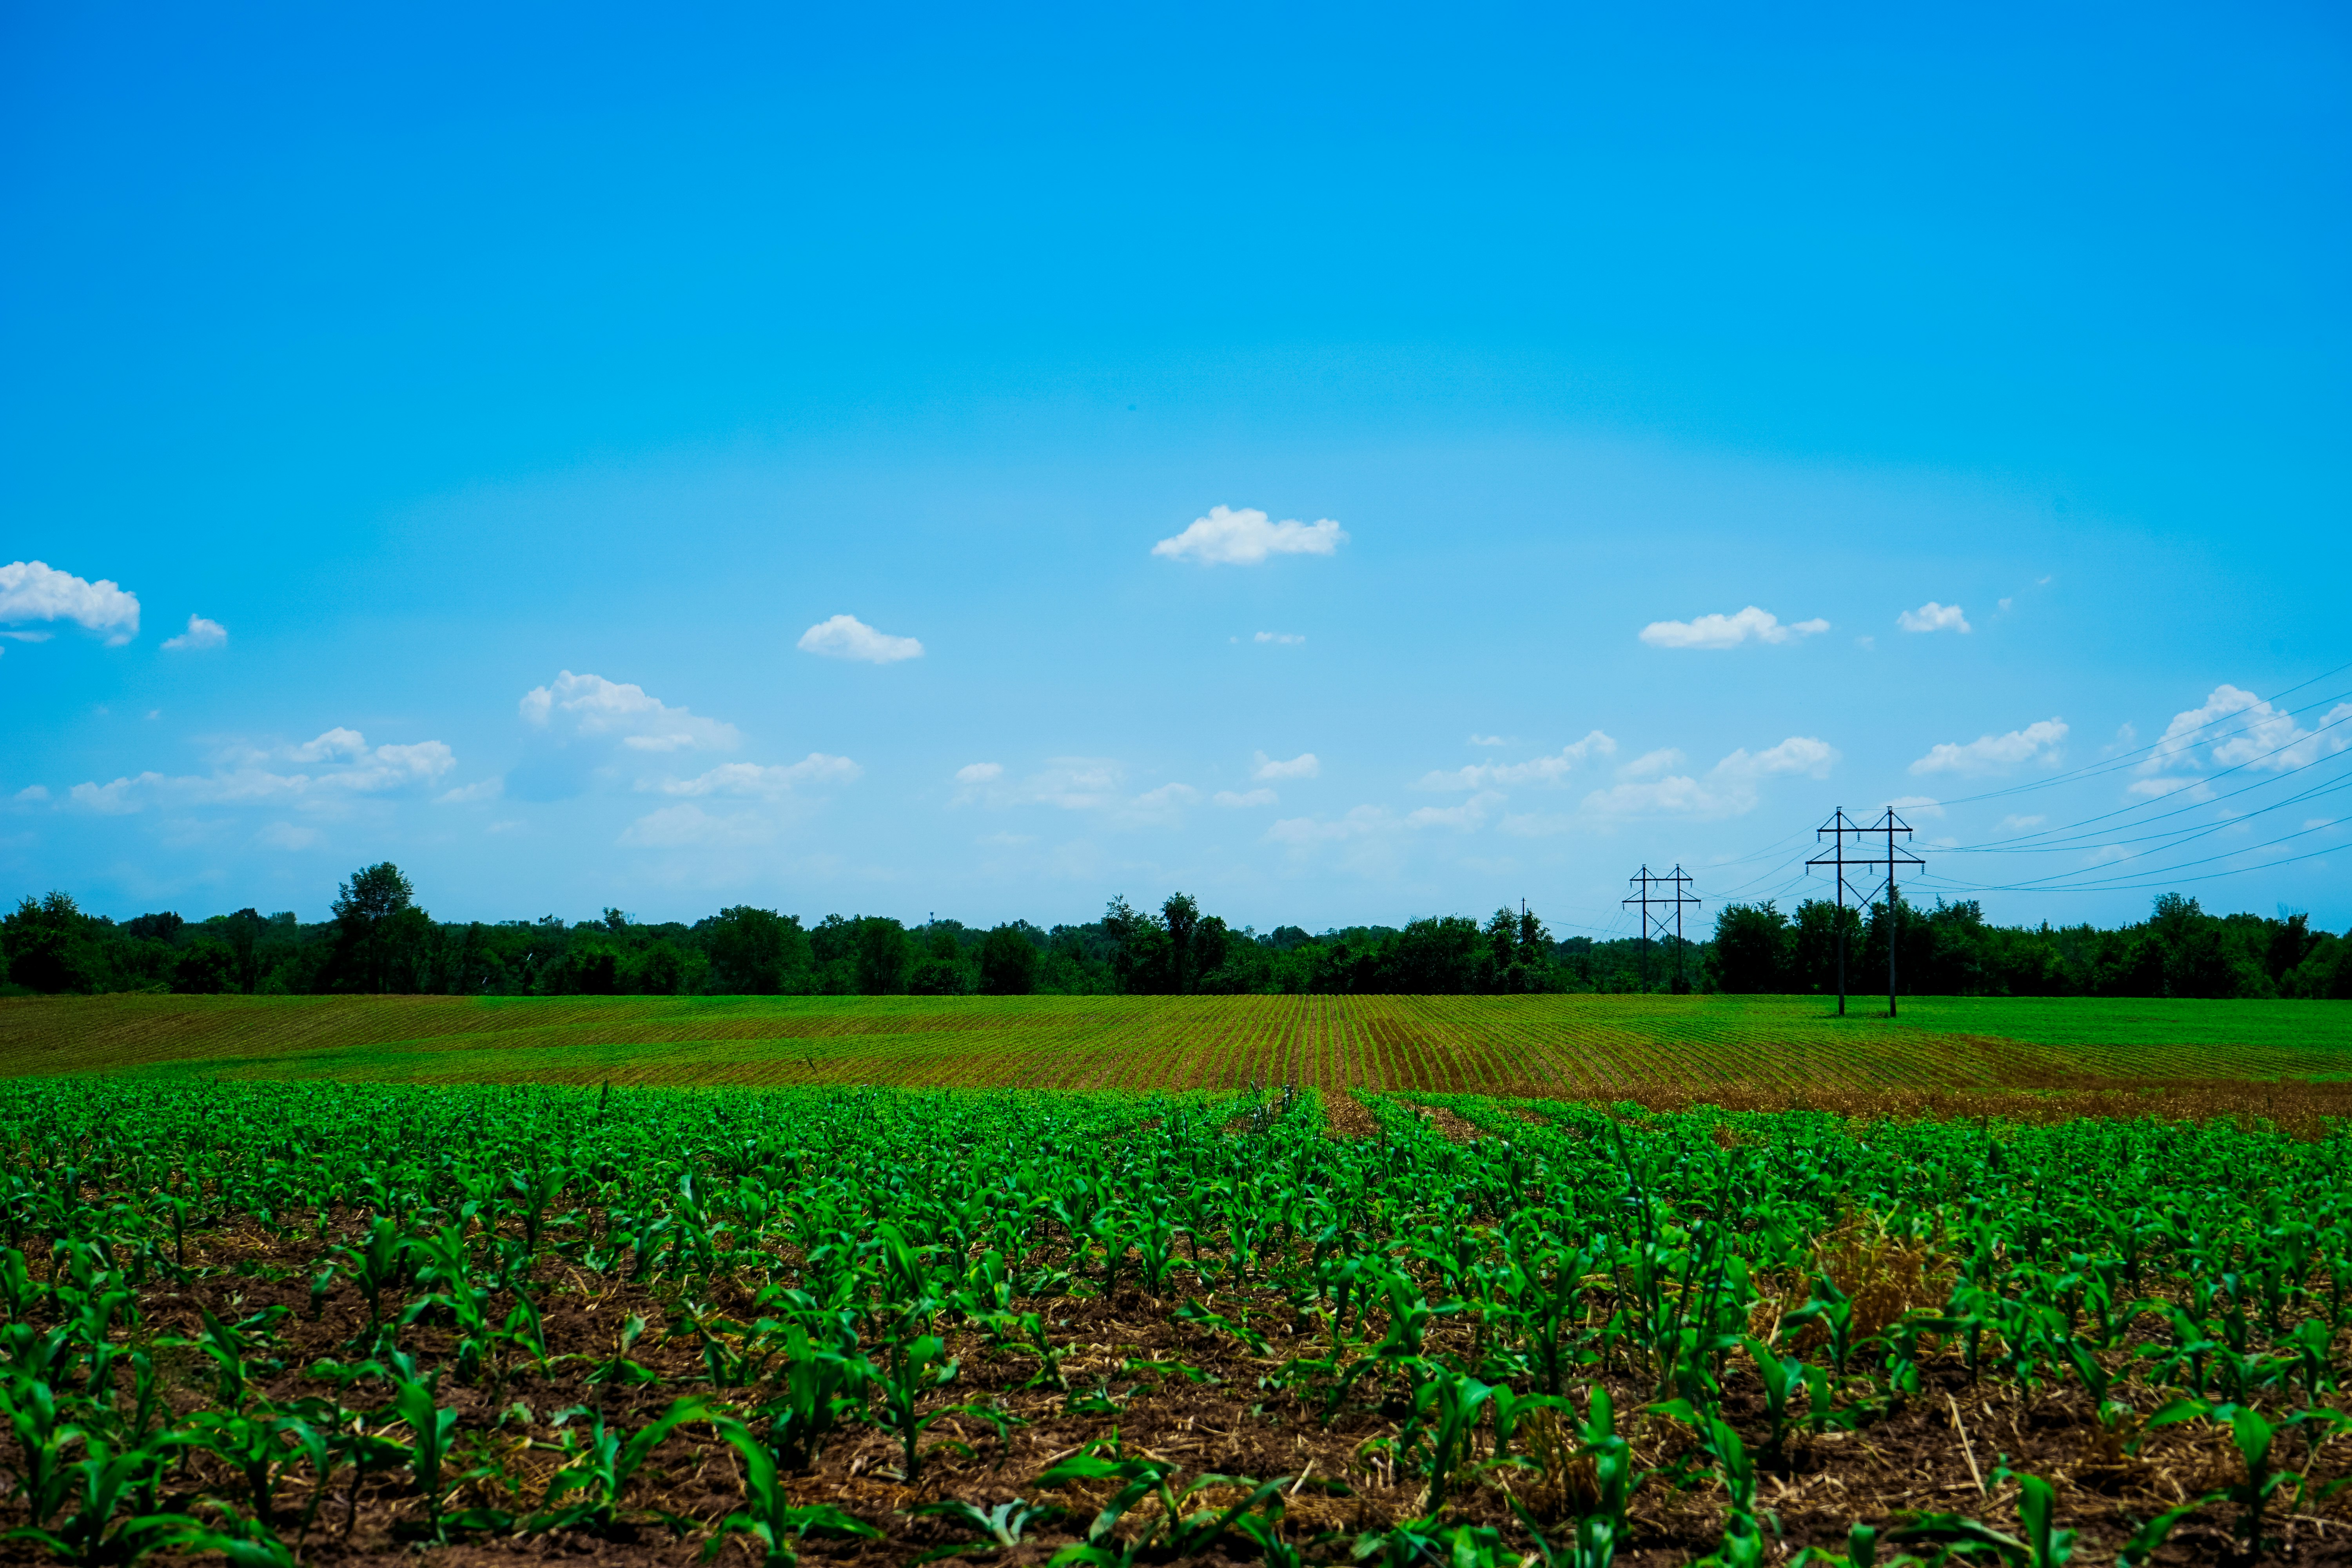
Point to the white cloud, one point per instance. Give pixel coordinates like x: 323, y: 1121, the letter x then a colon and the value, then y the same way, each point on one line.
x: 1651, y: 764
x: 1302, y: 766
x: 2235, y: 728
x: 1074, y: 784
x: 2005, y: 604
x: 1377, y: 823
x: 751, y: 779
x: 1549, y: 769
x: 2037, y: 743
x: 595, y: 708
x: 480, y: 789
x: 1097, y: 784
x: 1471, y: 814
x: 32, y: 793
x: 1246, y: 797
x: 1932, y: 616
x: 1245, y: 538
x: 287, y: 836
x: 2015, y: 824
x: 1729, y: 631
x: 1304, y: 832
x: 34, y: 591
x: 1163, y: 804
x: 1922, y: 806
x: 2312, y: 824
x: 247, y: 776
x: 200, y: 633
x: 847, y: 637
x: 1479, y: 740
x: 1282, y: 637
x: 26, y: 636
x: 1730, y: 788
x: 689, y: 826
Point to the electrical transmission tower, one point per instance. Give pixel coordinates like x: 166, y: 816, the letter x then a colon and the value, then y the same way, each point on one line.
x: 1671, y: 904
x: 1839, y: 828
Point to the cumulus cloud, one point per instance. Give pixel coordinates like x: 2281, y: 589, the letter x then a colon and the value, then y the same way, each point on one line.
x: 1549, y: 769
x: 1244, y: 537
x: 1097, y: 784
x: 591, y: 706
x: 480, y: 790
x: 2037, y: 743
x: 1302, y: 766
x: 339, y: 766
x: 288, y: 836
x: 1729, y: 631
x: 1730, y: 788
x: 1161, y: 804
x: 1932, y: 616
x: 1286, y: 637
x: 1075, y: 783
x: 689, y: 826
x: 1305, y: 831
x: 1378, y: 823
x: 847, y: 637
x: 1227, y: 797
x: 201, y: 634
x: 2245, y: 731
x: 34, y: 591
x: 751, y: 779
x: 1471, y: 814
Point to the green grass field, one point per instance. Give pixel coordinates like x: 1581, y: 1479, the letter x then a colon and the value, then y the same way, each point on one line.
x: 1542, y: 1045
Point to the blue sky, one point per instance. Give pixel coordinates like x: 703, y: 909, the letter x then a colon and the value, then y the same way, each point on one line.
x: 517, y: 400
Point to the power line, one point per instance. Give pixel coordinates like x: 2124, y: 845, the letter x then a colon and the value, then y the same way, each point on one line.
x: 1892, y: 858
x: 2177, y: 742
x: 2142, y: 805
x: 1644, y: 880
x: 2023, y: 846
x: 2161, y: 882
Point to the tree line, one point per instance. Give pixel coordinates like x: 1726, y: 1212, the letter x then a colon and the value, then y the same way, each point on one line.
x: 378, y: 939
x: 1952, y: 951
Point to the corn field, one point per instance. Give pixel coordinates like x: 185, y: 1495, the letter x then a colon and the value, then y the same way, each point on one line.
x: 338, y: 1322
x: 1581, y: 1046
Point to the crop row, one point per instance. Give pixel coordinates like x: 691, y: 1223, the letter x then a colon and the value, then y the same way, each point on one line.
x: 957, y: 1321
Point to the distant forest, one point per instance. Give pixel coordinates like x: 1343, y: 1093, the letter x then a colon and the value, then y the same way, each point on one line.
x: 380, y: 940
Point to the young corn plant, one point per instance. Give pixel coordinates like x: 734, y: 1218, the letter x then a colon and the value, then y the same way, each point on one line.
x: 601, y: 1468
x: 86, y: 1521
x: 1172, y: 1532
x: 769, y: 1516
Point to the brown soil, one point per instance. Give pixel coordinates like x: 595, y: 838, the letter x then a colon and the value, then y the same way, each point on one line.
x: 1453, y: 1127
x: 1345, y: 1116
x: 1242, y: 1421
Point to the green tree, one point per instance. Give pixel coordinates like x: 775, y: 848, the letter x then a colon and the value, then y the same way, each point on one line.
x: 364, y: 909
x: 754, y: 952
x: 1143, y: 958
x: 207, y: 968
x: 884, y: 956
x: 1755, y: 948
x: 661, y: 972
x: 1009, y: 961
x: 47, y: 946
x: 242, y: 932
x: 1180, y: 916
